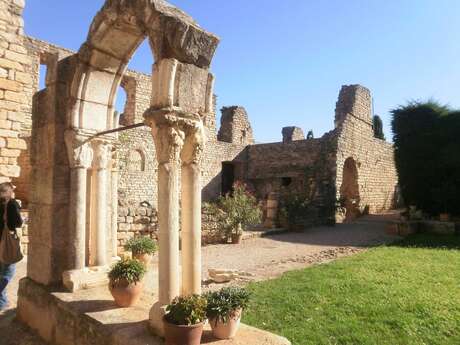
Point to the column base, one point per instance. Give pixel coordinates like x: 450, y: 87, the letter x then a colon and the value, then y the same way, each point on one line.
x: 157, y: 312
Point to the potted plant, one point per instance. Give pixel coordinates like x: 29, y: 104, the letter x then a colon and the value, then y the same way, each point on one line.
x: 237, y: 211
x: 126, y: 282
x: 184, y: 320
x: 224, y: 309
x: 142, y: 248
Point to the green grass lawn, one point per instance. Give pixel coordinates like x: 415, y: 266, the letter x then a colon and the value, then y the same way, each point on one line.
x: 408, y: 293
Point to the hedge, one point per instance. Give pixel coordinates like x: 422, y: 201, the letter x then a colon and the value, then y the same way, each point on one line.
x: 427, y: 155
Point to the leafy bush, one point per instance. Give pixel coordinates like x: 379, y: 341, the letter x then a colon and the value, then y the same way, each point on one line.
x: 294, y: 208
x: 129, y: 270
x: 223, y: 304
x: 186, y: 311
x: 427, y: 146
x: 240, y: 208
x: 141, y: 245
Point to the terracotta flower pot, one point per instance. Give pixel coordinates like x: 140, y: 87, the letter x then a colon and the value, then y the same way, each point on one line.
x: 183, y: 335
x: 126, y: 295
x: 146, y: 259
x: 226, y: 330
x: 237, y: 238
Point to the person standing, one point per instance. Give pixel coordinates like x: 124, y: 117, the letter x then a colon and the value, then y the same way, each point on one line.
x: 9, y: 212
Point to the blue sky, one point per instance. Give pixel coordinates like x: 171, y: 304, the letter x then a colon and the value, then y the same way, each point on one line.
x: 285, y: 61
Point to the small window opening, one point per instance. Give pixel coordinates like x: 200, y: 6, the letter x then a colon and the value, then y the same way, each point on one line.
x: 286, y: 181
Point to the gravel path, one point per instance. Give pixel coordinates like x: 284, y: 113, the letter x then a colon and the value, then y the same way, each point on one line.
x: 263, y: 258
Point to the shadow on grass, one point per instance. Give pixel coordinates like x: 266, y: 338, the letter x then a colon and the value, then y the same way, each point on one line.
x: 429, y: 241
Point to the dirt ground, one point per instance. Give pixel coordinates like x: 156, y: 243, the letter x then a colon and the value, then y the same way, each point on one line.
x: 262, y: 258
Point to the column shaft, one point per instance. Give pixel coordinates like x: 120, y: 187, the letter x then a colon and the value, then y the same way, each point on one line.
x: 78, y: 216
x: 191, y: 229
x: 114, y: 213
x: 101, y: 217
x: 168, y: 219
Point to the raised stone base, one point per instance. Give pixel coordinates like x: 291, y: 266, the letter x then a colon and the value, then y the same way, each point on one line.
x: 90, y: 317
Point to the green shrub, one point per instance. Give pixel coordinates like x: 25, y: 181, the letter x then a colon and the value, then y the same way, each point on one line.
x: 186, y: 311
x: 141, y: 245
x: 129, y: 270
x: 241, y: 207
x: 427, y: 146
x: 223, y: 304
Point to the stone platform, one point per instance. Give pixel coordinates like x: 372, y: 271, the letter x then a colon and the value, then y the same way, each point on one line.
x: 90, y: 317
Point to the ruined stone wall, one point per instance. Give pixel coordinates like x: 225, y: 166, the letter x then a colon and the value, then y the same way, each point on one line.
x: 303, y: 168
x: 14, y: 82
x: 235, y: 126
x: 377, y: 176
x: 291, y: 134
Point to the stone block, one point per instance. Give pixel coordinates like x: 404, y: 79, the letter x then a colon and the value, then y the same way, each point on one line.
x: 5, y: 152
x: 8, y: 64
x: 10, y: 85
x: 5, y: 124
x: 15, y: 97
x: 16, y: 143
x: 24, y: 78
x: 21, y: 58
x: 10, y: 170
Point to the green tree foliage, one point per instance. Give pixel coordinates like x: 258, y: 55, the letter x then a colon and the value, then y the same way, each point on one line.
x: 427, y: 154
x: 378, y: 127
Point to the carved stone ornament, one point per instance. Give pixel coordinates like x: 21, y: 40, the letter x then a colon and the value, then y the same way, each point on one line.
x: 80, y: 154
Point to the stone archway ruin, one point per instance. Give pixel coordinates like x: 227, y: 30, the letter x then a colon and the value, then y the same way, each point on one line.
x: 73, y: 171
x: 349, y: 190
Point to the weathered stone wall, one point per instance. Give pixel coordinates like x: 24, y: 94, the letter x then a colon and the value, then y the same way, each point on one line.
x: 14, y: 82
x: 304, y: 168
x: 235, y: 126
x: 291, y: 134
x: 377, y: 176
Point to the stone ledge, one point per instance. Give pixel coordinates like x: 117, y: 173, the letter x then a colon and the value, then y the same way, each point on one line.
x: 90, y: 317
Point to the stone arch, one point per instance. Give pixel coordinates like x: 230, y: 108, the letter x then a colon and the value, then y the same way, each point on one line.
x: 115, y: 34
x: 349, y: 190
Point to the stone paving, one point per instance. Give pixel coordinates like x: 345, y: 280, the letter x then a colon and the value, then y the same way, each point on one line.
x: 264, y: 258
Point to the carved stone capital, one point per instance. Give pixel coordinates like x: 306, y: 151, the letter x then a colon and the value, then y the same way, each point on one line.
x: 169, y: 141
x: 79, y: 152
x: 102, y: 155
x: 195, y: 139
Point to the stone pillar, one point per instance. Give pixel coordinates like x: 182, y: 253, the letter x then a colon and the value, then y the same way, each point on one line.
x: 169, y: 140
x: 191, y: 211
x: 80, y: 158
x: 101, y: 161
x: 114, y: 202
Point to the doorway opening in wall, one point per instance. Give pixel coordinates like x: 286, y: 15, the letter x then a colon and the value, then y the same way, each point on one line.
x: 349, y: 190
x: 228, y: 177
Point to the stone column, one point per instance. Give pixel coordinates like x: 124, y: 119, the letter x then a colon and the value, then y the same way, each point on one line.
x: 80, y: 157
x: 169, y: 140
x: 101, y: 161
x: 114, y: 190
x: 191, y: 210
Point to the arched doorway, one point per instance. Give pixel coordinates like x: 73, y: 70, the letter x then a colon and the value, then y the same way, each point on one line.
x: 349, y: 190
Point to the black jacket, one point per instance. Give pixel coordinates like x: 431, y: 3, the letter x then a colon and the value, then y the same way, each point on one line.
x: 13, y: 216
